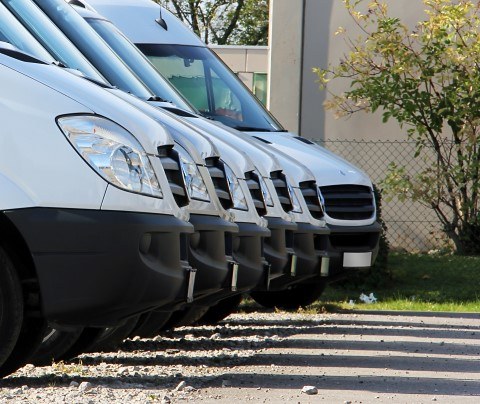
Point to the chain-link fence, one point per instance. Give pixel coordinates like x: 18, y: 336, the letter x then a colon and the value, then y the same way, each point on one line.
x: 411, y: 226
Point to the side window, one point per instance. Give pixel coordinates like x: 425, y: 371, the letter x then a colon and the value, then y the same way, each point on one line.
x: 187, y: 75
x: 226, y: 102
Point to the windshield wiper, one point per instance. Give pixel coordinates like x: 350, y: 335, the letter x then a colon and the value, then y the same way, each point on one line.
x: 157, y: 98
x: 252, y: 129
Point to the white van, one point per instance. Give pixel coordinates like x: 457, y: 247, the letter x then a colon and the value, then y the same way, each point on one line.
x: 210, y: 247
x: 316, y: 226
x: 194, y: 69
x: 310, y: 238
x: 90, y: 233
x: 190, y: 182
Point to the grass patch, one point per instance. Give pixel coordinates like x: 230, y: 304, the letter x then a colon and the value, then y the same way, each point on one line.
x: 418, y: 283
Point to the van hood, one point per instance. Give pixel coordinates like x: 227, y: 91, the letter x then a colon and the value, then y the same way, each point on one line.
x: 264, y: 159
x: 141, y: 26
x: 97, y: 101
x: 328, y: 168
x: 194, y: 142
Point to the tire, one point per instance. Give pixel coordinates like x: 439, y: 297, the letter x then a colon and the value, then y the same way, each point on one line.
x: 83, y: 344
x: 110, y: 339
x: 185, y: 317
x: 54, y: 344
x: 220, y: 311
x: 151, y: 324
x: 11, y: 308
x: 300, y: 295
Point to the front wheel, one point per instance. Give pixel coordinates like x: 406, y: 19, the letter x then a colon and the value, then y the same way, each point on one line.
x: 299, y: 295
x: 220, y: 311
x: 11, y: 307
x: 55, y: 343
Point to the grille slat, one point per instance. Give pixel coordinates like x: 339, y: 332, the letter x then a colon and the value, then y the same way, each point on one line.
x: 312, y: 198
x: 171, y: 164
x: 219, y: 179
x: 216, y: 172
x: 280, y: 183
x: 253, y: 183
x: 348, y: 202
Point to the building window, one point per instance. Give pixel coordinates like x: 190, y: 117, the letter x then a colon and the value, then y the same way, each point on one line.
x: 260, y: 86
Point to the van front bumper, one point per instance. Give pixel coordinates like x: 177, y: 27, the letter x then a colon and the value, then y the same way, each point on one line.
x: 310, y: 257
x: 248, y: 267
x: 210, y: 253
x: 279, y: 248
x: 346, y: 244
x: 97, y: 268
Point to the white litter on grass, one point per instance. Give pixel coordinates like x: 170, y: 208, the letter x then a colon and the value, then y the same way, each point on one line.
x: 351, y: 302
x: 368, y: 299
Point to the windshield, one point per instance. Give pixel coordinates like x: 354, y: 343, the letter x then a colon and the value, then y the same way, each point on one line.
x: 13, y: 32
x: 50, y: 37
x: 210, y: 86
x: 140, y: 65
x: 98, y: 53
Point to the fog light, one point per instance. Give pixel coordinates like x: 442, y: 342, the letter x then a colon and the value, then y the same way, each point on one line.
x: 145, y: 243
x: 195, y: 240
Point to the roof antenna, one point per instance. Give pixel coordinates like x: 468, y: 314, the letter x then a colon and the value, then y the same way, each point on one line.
x: 160, y: 21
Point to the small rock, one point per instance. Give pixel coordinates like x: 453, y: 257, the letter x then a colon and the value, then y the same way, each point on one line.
x: 25, y: 387
x: 310, y: 390
x: 73, y: 384
x: 166, y: 399
x: 122, y: 371
x: 216, y: 336
x: 189, y: 389
x: 180, y: 386
x: 85, y: 387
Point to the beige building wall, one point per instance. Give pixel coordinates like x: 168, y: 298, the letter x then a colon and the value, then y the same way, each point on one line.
x: 302, y: 37
x: 244, y: 60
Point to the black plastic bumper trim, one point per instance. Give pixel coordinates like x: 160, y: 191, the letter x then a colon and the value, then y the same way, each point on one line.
x: 96, y: 268
x: 210, y: 253
x: 351, y: 239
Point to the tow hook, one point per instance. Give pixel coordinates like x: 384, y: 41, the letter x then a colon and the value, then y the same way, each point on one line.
x: 293, y: 265
x: 235, y: 267
x: 325, y: 266
x: 192, y: 273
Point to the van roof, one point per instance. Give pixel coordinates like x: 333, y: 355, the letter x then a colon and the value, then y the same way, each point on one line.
x: 137, y: 20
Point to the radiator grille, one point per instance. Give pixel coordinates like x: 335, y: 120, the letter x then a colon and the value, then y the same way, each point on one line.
x: 217, y: 172
x: 348, y: 202
x: 253, y: 183
x: 171, y: 164
x: 280, y: 183
x: 310, y: 194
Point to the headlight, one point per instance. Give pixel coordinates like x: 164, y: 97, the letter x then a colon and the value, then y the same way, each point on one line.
x: 267, y: 197
x: 236, y: 192
x: 297, y: 208
x: 194, y: 183
x: 112, y: 152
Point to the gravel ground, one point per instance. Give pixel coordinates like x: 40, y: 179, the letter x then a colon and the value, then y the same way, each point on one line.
x: 269, y: 357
